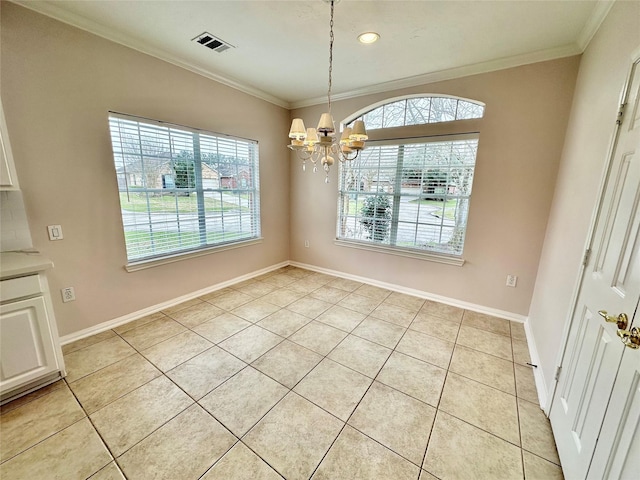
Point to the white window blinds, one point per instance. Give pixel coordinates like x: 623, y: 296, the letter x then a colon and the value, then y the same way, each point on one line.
x: 183, y: 189
x: 411, y: 194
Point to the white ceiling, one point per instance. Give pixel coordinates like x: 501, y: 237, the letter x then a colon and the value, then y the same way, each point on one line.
x: 281, y: 51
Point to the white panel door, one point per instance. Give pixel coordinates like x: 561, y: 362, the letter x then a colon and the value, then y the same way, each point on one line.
x: 617, y: 453
x: 611, y: 283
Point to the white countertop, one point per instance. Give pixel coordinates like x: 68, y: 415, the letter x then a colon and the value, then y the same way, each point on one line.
x: 16, y: 264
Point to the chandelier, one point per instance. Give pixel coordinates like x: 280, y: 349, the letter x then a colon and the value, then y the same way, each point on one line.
x: 320, y: 144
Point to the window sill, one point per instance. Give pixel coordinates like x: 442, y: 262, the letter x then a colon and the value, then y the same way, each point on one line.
x: 155, y: 262
x: 403, y: 252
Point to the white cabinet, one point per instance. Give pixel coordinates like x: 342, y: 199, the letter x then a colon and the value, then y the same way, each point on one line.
x: 8, y: 177
x: 30, y: 354
x: 27, y: 353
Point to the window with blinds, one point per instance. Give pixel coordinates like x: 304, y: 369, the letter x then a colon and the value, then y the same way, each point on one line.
x: 412, y: 194
x: 183, y: 189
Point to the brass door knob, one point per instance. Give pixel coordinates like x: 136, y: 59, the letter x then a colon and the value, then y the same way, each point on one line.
x: 621, y: 320
x: 631, y: 338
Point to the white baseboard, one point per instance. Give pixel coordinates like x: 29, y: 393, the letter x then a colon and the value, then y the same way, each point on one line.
x: 418, y: 293
x: 538, y: 375
x: 116, y: 322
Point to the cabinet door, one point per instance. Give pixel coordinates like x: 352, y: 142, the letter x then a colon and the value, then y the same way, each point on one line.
x: 27, y: 350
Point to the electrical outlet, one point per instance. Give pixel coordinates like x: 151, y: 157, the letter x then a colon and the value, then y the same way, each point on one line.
x: 512, y: 280
x: 68, y: 294
x: 306, y: 243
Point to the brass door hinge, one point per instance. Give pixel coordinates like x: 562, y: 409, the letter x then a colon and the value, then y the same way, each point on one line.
x: 621, y: 114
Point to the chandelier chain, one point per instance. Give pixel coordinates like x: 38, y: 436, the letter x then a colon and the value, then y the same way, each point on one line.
x: 330, y: 56
x: 330, y: 146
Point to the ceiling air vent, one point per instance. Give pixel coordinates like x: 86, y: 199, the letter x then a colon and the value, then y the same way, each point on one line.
x: 212, y: 42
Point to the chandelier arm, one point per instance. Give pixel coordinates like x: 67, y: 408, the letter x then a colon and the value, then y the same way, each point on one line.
x: 344, y: 157
x: 304, y: 154
x: 316, y: 155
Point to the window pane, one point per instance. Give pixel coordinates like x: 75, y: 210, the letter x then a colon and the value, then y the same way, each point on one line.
x: 442, y: 109
x: 468, y: 110
x: 409, y: 195
x: 409, y: 206
x: 182, y: 190
x: 375, y: 217
x: 428, y: 237
x: 394, y: 114
x: 418, y: 111
x: 373, y: 119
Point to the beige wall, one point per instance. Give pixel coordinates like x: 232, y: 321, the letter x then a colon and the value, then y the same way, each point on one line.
x: 521, y: 140
x: 56, y: 94
x: 603, y: 70
x: 58, y: 83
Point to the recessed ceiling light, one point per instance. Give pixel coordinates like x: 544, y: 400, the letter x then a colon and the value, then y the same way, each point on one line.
x: 368, y: 37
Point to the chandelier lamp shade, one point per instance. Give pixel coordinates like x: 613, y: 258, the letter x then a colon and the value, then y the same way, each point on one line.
x: 320, y: 144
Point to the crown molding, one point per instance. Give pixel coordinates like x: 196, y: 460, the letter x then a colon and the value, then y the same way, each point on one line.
x: 599, y: 13
x: 78, y: 21
x: 449, y: 74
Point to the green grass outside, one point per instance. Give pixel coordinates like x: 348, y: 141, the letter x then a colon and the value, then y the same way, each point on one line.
x: 164, y: 242
x: 137, y: 202
x: 449, y: 207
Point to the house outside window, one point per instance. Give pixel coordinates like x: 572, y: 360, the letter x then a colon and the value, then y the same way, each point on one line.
x: 411, y: 194
x: 183, y: 190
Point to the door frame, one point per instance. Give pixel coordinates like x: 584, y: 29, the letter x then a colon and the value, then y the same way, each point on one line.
x: 595, y: 217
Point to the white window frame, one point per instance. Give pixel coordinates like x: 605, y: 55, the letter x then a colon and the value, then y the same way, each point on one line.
x: 449, y: 130
x: 193, y: 233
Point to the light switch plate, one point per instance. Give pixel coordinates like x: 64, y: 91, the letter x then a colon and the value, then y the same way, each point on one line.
x: 55, y: 232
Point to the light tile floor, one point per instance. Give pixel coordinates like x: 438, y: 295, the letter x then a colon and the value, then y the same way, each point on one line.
x: 293, y: 374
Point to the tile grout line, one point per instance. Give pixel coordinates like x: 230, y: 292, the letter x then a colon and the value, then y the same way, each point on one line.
x: 104, y: 443
x: 424, y: 456
x: 42, y: 439
x: 362, y: 398
x: 249, y: 448
x: 515, y: 381
x: 163, y: 374
x: 375, y: 379
x: 155, y: 429
x: 247, y: 365
x: 482, y: 429
x: 290, y: 390
x: 356, y: 407
x: 345, y: 423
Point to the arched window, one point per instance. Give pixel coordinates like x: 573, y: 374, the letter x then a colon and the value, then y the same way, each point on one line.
x: 410, y: 194
x: 419, y: 111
